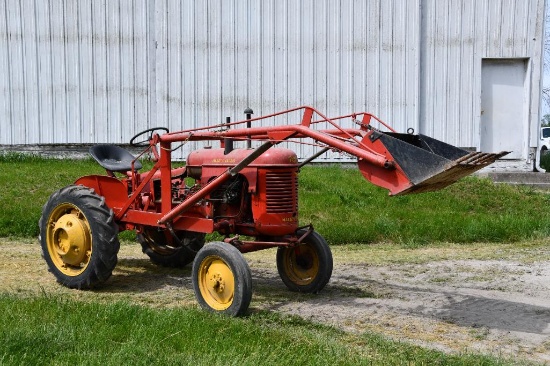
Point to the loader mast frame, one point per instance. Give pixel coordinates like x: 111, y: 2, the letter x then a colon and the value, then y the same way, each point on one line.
x: 339, y: 139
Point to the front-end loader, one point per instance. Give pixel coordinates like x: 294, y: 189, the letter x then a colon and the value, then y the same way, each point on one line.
x: 248, y: 195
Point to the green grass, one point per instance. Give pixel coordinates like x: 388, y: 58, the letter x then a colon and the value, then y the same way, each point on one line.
x: 341, y: 205
x: 27, y: 181
x: 545, y: 162
x: 45, y: 330
x: 346, y: 209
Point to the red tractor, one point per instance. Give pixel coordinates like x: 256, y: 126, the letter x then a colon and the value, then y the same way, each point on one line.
x: 244, y: 191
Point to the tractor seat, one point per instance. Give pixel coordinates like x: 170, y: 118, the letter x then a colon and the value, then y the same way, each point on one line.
x: 114, y: 158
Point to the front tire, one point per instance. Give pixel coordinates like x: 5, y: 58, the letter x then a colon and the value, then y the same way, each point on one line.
x: 221, y: 279
x: 306, y: 267
x: 78, y: 237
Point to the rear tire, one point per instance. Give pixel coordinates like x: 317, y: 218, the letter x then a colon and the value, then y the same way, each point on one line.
x: 155, y: 244
x: 78, y: 236
x: 306, y: 267
x: 221, y: 279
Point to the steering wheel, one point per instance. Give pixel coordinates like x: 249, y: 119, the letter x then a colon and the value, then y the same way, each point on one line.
x: 143, y: 143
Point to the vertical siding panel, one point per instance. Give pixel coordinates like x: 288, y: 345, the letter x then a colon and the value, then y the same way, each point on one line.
x: 45, y: 101
x: 5, y: 78
x: 440, y: 69
x: 334, y: 66
x: 358, y: 45
x: 172, y: 93
x: 507, y: 30
x: 468, y: 61
x: 188, y: 65
x: 386, y: 61
x: 152, y: 45
x: 242, y: 41
x: 280, y: 57
x: 293, y: 58
x: 17, y: 71
x: 264, y: 24
x: 141, y: 71
x: 254, y: 60
x: 214, y: 87
x: 521, y: 28
x: 161, y: 63
x: 30, y: 66
x: 228, y: 105
x: 201, y: 61
x: 59, y: 82
x: 346, y: 57
x: 427, y: 45
x: 85, y: 51
x: 189, y: 102
x: 72, y: 76
x: 480, y: 14
x: 398, y: 67
x: 373, y: 81
x: 411, y: 66
x: 307, y: 59
x: 127, y: 82
x: 454, y: 74
x: 494, y: 35
x: 99, y: 66
x: 114, y: 72
x: 537, y: 8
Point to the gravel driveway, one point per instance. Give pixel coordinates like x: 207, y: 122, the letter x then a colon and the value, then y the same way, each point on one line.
x: 457, y: 299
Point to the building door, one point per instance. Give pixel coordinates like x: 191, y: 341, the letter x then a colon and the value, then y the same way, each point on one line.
x: 504, y: 107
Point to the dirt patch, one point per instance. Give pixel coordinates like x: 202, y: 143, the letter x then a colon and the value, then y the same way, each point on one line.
x: 455, y: 301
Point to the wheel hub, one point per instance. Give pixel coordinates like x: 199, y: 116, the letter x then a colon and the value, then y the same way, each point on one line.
x: 72, y: 239
x: 217, y: 283
x: 302, y: 264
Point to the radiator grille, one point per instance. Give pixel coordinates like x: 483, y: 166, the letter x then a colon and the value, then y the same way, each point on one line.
x: 281, y: 192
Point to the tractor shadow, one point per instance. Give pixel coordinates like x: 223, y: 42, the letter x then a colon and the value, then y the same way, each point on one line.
x: 270, y: 293
x: 140, y: 275
x: 362, y: 299
x: 353, y: 296
x: 477, y: 311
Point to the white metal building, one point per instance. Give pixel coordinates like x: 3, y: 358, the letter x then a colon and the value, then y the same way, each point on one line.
x: 91, y: 71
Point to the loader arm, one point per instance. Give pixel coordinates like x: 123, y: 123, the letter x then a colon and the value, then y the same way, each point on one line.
x: 401, y: 163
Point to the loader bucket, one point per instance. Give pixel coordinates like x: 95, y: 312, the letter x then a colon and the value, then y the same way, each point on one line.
x: 421, y: 163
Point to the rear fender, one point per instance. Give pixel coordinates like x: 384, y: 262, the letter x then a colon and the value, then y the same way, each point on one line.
x: 114, y: 191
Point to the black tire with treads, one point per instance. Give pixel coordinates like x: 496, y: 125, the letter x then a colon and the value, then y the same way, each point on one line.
x: 154, y: 243
x: 306, y: 267
x: 81, y: 207
x: 222, y: 280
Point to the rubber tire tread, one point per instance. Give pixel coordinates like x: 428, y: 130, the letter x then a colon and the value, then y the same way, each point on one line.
x: 178, y: 259
x: 104, y: 231
x: 241, y: 271
x: 324, y: 253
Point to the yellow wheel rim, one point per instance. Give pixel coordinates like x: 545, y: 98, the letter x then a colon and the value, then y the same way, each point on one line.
x: 69, y: 239
x: 301, y: 264
x: 216, y: 283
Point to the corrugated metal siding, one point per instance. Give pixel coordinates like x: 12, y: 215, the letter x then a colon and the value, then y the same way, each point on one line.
x: 220, y: 57
x: 100, y: 70
x: 457, y: 35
